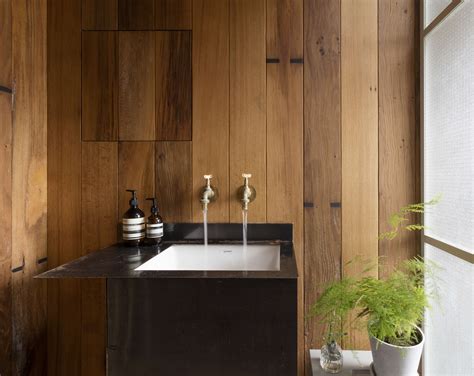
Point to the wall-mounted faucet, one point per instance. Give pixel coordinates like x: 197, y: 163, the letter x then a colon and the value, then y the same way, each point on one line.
x: 246, y: 193
x: 208, y: 193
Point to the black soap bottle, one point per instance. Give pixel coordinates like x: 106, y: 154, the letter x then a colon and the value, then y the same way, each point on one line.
x: 133, y: 222
x: 154, y: 224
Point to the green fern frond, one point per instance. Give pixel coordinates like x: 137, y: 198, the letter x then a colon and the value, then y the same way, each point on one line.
x: 415, y: 227
x: 397, y: 220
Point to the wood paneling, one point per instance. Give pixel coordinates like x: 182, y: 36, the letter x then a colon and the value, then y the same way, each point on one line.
x: 99, y: 86
x: 398, y: 126
x: 6, y: 188
x: 174, y: 180
x: 136, y: 14
x: 173, y: 14
x: 211, y: 104
x: 6, y: 39
x: 136, y: 85
x: 359, y: 136
x: 284, y: 29
x: 173, y: 85
x: 64, y: 183
x: 29, y: 186
x: 136, y: 171
x: 5, y: 233
x: 285, y: 131
x: 242, y: 116
x: 99, y: 195
x: 322, y: 156
x: 248, y: 105
x: 99, y: 14
x: 99, y: 229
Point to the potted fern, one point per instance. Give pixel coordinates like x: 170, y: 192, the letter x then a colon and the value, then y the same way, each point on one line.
x: 393, y: 307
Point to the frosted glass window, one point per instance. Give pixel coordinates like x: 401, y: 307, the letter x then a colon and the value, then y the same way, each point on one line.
x: 433, y: 8
x: 449, y: 128
x: 449, y: 325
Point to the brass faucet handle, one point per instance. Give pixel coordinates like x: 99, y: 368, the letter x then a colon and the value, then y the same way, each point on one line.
x: 246, y: 176
x: 208, y: 179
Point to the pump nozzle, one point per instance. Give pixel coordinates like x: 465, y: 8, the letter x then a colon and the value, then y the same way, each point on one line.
x: 133, y: 201
x: 154, y: 208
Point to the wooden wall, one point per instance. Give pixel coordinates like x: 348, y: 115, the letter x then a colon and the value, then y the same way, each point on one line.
x: 361, y: 136
x: 315, y: 98
x: 23, y: 205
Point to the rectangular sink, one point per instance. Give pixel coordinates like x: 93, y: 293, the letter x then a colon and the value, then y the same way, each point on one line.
x: 216, y: 257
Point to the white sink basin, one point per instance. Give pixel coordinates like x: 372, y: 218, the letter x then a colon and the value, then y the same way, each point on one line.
x: 216, y: 257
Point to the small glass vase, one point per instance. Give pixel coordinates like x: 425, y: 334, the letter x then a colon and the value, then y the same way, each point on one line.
x: 331, y: 357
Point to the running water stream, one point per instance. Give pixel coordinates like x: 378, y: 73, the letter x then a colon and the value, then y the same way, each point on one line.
x: 204, y: 220
x: 244, y: 238
x: 244, y: 228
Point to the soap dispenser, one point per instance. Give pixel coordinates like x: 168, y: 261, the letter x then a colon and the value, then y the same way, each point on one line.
x: 154, y: 224
x: 133, y: 222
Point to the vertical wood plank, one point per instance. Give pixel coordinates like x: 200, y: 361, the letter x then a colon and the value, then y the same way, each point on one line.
x: 174, y: 180
x: 64, y: 183
x: 5, y: 234
x: 136, y: 171
x: 99, y: 230
x: 359, y: 136
x: 99, y: 86
x: 211, y: 104
x: 173, y: 85
x: 136, y: 14
x: 247, y: 148
x: 136, y: 85
x: 398, y: 126
x: 173, y: 14
x: 29, y: 185
x: 99, y: 14
x: 285, y: 132
x: 322, y: 157
x: 6, y: 190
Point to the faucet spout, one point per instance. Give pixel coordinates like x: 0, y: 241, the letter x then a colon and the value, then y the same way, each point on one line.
x: 246, y: 192
x: 208, y: 193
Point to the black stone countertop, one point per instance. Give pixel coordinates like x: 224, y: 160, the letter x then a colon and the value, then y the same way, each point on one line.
x: 119, y: 261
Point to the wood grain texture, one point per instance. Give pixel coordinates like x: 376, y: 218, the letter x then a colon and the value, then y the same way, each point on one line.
x: 99, y: 229
x: 99, y: 86
x: 285, y: 132
x: 173, y: 14
x: 136, y: 171
x: 136, y: 14
x: 64, y: 183
x: 173, y: 85
x: 322, y: 156
x: 99, y: 14
x: 6, y: 235
x: 247, y: 138
x: 359, y: 137
x: 211, y: 104
x: 29, y: 185
x: 284, y: 29
x: 398, y: 126
x: 136, y: 83
x: 173, y: 173
x: 6, y: 190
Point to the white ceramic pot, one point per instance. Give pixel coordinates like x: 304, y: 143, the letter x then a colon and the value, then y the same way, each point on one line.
x: 391, y: 360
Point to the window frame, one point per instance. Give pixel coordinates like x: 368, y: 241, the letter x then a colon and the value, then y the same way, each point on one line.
x: 423, y: 33
x: 455, y: 251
